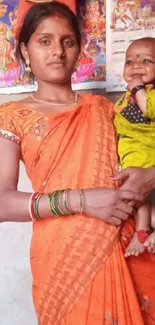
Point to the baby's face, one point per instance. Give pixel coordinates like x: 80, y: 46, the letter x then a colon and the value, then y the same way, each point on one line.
x: 140, y: 61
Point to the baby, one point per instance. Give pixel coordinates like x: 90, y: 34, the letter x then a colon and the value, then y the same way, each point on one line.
x: 135, y: 125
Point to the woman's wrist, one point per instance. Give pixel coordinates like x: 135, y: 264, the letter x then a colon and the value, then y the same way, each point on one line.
x: 55, y: 204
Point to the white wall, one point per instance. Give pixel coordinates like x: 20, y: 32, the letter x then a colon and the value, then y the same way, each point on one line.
x: 16, y: 306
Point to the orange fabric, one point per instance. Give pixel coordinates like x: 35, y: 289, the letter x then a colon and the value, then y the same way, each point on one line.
x: 24, y: 6
x: 79, y: 272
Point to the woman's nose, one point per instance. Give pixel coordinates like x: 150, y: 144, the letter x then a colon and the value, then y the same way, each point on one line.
x: 57, y: 48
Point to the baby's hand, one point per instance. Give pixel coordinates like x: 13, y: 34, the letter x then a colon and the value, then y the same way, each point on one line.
x: 134, y: 81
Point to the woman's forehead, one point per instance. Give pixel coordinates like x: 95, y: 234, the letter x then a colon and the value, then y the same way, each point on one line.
x: 54, y: 25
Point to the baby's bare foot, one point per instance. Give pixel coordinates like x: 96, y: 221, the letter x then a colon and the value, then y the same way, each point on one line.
x: 150, y: 243
x: 135, y: 247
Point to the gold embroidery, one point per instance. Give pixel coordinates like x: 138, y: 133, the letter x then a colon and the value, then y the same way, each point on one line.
x: 39, y: 129
x: 10, y: 136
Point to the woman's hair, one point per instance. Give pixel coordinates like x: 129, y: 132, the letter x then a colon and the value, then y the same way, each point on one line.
x: 37, y: 14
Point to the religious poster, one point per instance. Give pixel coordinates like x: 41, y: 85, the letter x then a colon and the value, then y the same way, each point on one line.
x: 126, y: 21
x: 91, y: 68
x: 13, y: 77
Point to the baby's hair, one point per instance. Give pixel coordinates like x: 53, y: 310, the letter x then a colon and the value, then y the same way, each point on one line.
x: 144, y: 39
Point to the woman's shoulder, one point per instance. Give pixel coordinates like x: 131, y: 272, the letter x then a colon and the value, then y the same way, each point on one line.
x: 6, y: 106
x: 10, y: 106
x: 101, y: 103
x: 15, y: 109
x: 100, y: 99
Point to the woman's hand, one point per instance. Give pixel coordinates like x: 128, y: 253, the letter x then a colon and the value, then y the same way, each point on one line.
x: 139, y: 180
x: 109, y: 205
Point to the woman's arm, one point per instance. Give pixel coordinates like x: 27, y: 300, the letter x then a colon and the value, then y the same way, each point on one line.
x: 14, y: 205
x: 104, y: 204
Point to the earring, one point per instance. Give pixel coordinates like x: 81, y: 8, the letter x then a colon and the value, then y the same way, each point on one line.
x: 27, y: 68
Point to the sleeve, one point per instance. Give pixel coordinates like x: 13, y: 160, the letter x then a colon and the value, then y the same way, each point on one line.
x: 9, y: 123
x: 150, y: 105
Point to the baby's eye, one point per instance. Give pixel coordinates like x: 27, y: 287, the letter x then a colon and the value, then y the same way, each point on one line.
x: 129, y: 62
x: 145, y: 61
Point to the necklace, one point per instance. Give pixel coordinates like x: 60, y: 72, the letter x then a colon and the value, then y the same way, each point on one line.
x: 55, y: 104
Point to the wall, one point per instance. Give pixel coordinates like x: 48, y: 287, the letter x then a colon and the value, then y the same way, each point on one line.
x: 16, y: 305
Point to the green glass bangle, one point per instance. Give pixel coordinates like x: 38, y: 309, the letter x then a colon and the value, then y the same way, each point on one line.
x: 52, y: 203
x: 59, y: 202
x: 36, y: 206
x: 57, y: 205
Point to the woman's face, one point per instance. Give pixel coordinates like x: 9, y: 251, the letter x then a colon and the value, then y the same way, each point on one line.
x: 52, y: 50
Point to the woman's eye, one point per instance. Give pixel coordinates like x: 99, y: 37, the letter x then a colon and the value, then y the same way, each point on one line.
x: 128, y: 62
x: 145, y: 61
x: 67, y: 42
x: 44, y: 42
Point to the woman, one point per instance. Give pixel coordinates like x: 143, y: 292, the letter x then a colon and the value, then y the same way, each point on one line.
x: 67, y: 142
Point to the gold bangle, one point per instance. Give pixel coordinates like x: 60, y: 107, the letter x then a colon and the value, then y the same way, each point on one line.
x: 81, y: 200
x: 69, y: 212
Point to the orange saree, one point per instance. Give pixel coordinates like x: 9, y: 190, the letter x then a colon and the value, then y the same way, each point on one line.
x: 80, y: 275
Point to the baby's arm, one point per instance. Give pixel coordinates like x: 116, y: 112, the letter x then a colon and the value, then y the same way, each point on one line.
x: 140, y: 95
x: 140, y: 98
x: 145, y: 100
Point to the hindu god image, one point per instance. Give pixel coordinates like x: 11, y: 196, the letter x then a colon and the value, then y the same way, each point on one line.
x: 10, y: 68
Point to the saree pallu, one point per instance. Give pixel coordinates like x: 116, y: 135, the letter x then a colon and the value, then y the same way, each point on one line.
x: 80, y: 275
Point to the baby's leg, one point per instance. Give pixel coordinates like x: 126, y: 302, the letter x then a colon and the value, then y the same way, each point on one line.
x: 150, y: 242
x: 142, y: 222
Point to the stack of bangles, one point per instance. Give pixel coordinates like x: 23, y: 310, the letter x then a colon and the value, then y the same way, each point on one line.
x: 58, y: 204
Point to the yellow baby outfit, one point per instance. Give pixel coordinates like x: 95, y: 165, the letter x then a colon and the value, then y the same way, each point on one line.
x: 136, y: 131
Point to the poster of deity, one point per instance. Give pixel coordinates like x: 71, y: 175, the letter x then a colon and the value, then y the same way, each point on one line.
x: 12, y: 74
x: 91, y: 68
x: 126, y: 21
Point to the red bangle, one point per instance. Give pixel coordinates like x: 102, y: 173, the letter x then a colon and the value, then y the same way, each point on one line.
x: 31, y: 206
